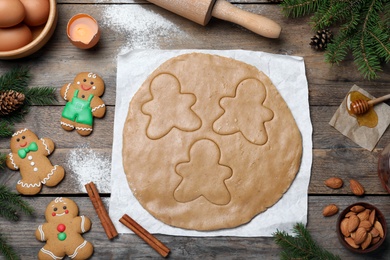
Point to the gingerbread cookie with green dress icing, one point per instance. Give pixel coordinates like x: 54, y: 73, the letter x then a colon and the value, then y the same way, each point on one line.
x: 29, y: 156
x: 83, y: 102
x: 62, y: 232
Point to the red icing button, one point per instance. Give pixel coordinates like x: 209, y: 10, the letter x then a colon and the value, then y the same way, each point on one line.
x: 66, y: 211
x: 53, y: 214
x: 61, y: 227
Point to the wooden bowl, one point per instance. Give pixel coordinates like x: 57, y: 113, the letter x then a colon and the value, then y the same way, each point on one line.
x: 379, y: 216
x: 41, y: 35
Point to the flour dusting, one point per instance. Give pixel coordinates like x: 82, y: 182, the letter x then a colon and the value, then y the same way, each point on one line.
x: 86, y: 165
x: 143, y: 27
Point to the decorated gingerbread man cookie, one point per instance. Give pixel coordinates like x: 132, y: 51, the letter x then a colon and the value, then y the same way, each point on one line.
x: 83, y: 102
x: 62, y: 232
x: 29, y: 156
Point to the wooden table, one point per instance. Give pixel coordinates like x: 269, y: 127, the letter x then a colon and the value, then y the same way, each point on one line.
x: 135, y: 24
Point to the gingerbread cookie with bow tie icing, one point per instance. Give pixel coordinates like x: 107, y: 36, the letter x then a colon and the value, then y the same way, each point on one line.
x: 29, y: 156
x: 62, y: 232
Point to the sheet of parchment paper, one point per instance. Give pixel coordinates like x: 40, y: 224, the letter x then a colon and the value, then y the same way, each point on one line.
x: 287, y: 74
x: 364, y: 136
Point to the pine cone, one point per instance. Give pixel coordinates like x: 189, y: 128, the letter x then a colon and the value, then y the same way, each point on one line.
x: 10, y: 101
x: 321, y: 39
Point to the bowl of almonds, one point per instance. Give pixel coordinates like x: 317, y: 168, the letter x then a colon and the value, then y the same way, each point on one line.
x: 361, y: 227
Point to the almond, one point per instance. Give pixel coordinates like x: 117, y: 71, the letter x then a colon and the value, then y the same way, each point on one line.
x: 353, y: 223
x: 364, y: 214
x: 351, y: 242
x: 334, y: 183
x: 330, y: 210
x: 374, y: 232
x: 366, y: 225
x: 366, y: 242
x: 378, y: 226
x: 356, y: 187
x: 349, y: 214
x: 344, y: 227
x: 375, y: 240
x: 357, y: 208
x: 360, y: 235
x: 372, y: 217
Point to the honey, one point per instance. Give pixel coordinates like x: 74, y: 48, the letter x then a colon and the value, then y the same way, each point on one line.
x: 369, y: 118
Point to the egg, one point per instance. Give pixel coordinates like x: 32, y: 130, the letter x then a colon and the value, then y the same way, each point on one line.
x: 13, y: 38
x: 11, y: 13
x: 37, y: 11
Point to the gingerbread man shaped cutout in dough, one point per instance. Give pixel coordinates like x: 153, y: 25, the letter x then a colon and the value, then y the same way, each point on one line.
x: 83, y: 102
x: 62, y: 231
x: 29, y: 156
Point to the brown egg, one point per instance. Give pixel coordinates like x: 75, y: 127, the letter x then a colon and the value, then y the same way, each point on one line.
x: 37, y: 11
x: 11, y: 13
x: 14, y: 37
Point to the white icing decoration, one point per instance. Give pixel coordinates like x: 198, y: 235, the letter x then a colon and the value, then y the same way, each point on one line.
x: 59, y: 199
x: 50, y: 254
x: 41, y: 232
x: 83, y: 129
x: 68, y: 125
x: 78, y: 248
x: 49, y: 174
x: 66, y: 91
x: 32, y: 163
x: 35, y: 169
x: 11, y: 157
x: 82, y: 224
x: 91, y: 75
x: 96, y: 108
x: 29, y: 185
x: 19, y: 132
x: 46, y: 148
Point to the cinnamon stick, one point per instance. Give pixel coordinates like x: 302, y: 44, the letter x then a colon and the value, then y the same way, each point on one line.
x: 101, y: 211
x: 145, y: 235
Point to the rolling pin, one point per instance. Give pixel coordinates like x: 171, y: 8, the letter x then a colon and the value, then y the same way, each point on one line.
x: 201, y: 11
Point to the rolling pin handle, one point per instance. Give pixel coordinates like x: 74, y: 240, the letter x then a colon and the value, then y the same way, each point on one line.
x: 256, y: 23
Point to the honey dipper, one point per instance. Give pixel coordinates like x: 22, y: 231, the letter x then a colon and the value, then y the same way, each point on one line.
x: 361, y: 106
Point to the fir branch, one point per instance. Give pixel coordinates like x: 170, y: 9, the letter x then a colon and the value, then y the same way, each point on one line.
x: 3, y: 157
x: 6, y: 129
x: 16, y: 79
x: 40, y: 96
x: 15, y: 117
x: 297, y: 8
x: 302, y: 246
x: 14, y: 203
x: 7, y: 251
x: 364, y: 29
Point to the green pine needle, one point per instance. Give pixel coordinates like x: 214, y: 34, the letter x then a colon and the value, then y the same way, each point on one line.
x: 7, y: 251
x: 364, y: 29
x: 301, y: 246
x: 16, y: 79
x: 12, y: 203
x: 3, y: 157
x: 40, y: 96
x: 6, y: 129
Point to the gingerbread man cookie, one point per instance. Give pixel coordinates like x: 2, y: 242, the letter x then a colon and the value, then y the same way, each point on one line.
x: 62, y: 232
x: 29, y: 156
x: 83, y: 102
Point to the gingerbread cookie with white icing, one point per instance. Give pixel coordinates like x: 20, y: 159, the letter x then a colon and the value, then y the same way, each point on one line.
x: 83, y: 102
x: 62, y: 232
x: 29, y: 156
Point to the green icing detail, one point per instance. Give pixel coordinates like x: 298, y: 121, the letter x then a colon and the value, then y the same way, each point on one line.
x: 79, y: 110
x: 61, y: 236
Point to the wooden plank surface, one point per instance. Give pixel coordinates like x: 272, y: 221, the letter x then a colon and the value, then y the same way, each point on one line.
x: 132, y: 24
